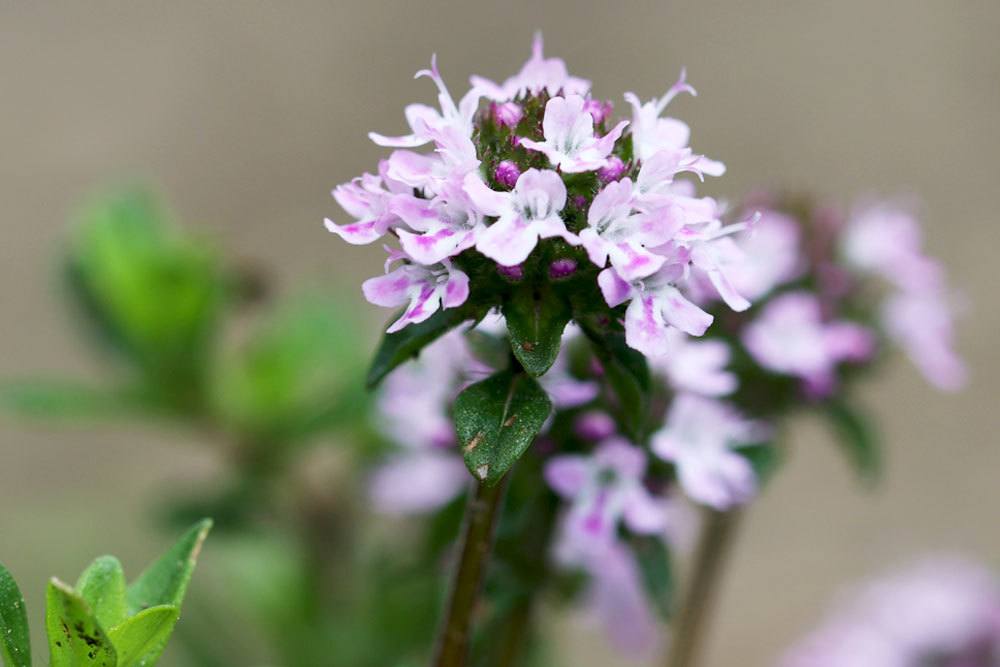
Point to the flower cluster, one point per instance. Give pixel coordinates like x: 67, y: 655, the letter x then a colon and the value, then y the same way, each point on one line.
x: 528, y: 180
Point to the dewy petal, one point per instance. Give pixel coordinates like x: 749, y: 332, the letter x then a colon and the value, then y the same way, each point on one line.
x: 508, y: 241
x: 567, y: 474
x: 390, y: 290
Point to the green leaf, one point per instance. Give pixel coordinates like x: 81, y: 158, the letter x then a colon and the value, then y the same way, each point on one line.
x: 66, y: 399
x: 857, y: 438
x: 627, y: 374
x: 655, y: 566
x: 536, y: 318
x: 764, y: 458
x: 102, y: 586
x: 497, y: 419
x: 140, y: 640
x: 15, y: 644
x: 76, y: 639
x: 165, y: 581
x: 401, y: 346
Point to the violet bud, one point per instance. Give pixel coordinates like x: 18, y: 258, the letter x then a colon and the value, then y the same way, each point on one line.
x: 506, y: 173
x: 598, y: 109
x: 515, y: 272
x: 612, y: 171
x: 562, y: 267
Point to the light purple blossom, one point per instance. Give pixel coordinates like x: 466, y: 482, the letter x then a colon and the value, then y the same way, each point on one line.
x: 367, y: 198
x: 507, y: 114
x: 570, y: 143
x: 698, y: 438
x: 537, y: 75
x: 442, y: 227
x: 423, y: 289
x: 619, y: 602
x: 696, y: 366
x: 656, y: 305
x: 424, y: 121
x: 417, y: 482
x: 526, y: 214
x: 769, y: 255
x: 604, y: 489
x: 885, y: 239
x: 944, y: 611
x: 565, y: 390
x: 507, y: 173
x: 791, y: 337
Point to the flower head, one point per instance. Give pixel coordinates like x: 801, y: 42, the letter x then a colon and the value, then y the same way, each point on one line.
x: 570, y: 143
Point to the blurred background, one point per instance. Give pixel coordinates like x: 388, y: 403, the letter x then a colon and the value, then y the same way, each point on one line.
x: 245, y: 115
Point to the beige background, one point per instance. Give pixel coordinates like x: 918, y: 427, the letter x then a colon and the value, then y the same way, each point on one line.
x: 246, y: 113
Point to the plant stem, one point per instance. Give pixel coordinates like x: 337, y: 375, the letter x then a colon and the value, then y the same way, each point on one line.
x: 691, y: 623
x: 477, y: 543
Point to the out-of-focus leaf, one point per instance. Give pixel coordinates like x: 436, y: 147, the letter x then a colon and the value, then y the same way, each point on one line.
x: 76, y: 639
x: 406, y: 343
x: 15, y: 644
x: 153, y: 293
x: 656, y: 568
x: 66, y: 399
x: 627, y: 374
x: 139, y: 641
x: 857, y: 438
x: 497, y: 419
x: 165, y: 581
x: 102, y: 587
x: 536, y: 319
x: 291, y: 374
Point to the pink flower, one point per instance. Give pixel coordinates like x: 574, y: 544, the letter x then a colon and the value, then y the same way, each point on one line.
x: 424, y: 290
x: 537, y: 75
x: 367, y: 198
x: 565, y: 390
x: 790, y: 337
x: 570, y: 143
x: 922, y: 324
x: 944, y: 612
x: 886, y: 240
x: 424, y: 120
x: 507, y: 114
x: 698, y: 439
x: 445, y: 225
x: 696, y: 366
x: 769, y: 255
x: 604, y: 489
x: 454, y: 157
x: 526, y: 214
x: 619, y: 601
x: 656, y: 306
x: 417, y: 482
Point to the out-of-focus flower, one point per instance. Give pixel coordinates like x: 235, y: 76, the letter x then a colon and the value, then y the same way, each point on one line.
x: 570, y: 143
x: 617, y: 597
x: 696, y: 366
x: 698, y: 438
x: 923, y: 325
x: 943, y: 612
x: 791, y: 337
x: 769, y: 255
x: 565, y: 390
x: 604, y: 488
x: 885, y: 239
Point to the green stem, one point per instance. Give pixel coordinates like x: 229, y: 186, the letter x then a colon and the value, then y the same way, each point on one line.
x: 691, y: 623
x: 477, y: 543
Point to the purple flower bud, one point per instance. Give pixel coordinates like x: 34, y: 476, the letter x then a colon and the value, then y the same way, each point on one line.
x: 508, y: 114
x: 579, y: 201
x: 515, y: 141
x: 562, y: 267
x: 612, y: 171
x: 515, y: 272
x: 506, y: 173
x: 599, y: 109
x: 594, y: 426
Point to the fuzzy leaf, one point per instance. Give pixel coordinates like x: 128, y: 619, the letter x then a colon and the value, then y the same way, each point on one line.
x: 536, y: 319
x: 15, y: 644
x: 140, y: 640
x: 857, y: 438
x: 165, y: 581
x: 497, y: 420
x: 102, y: 586
x: 76, y: 639
x: 397, y: 348
x: 655, y: 566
